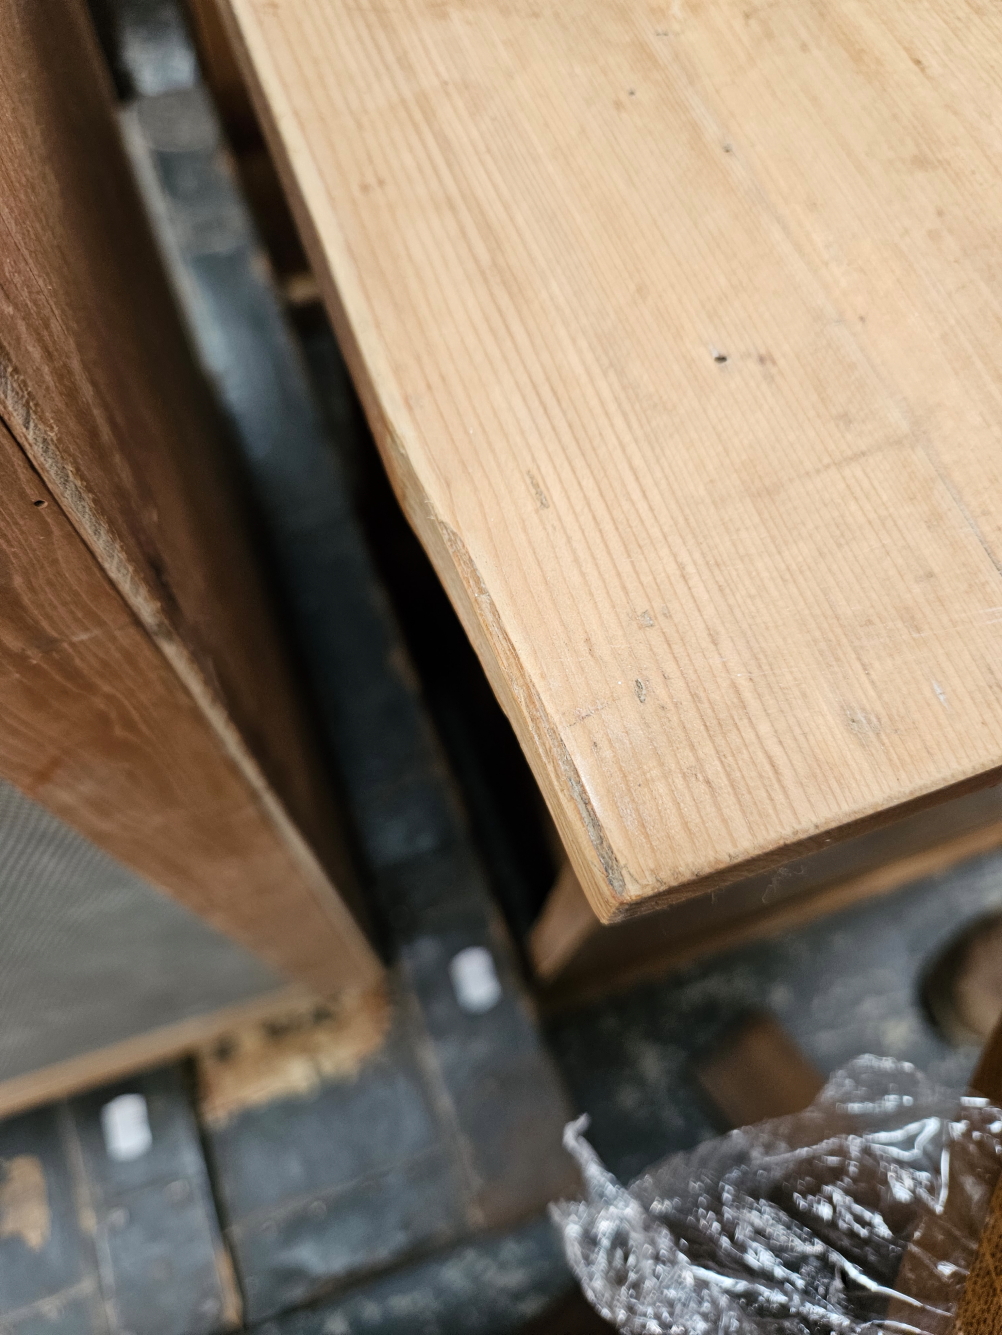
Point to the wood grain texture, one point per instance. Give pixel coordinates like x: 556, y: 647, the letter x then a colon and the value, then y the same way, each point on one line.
x: 146, y: 698
x: 980, y: 1309
x: 96, y: 726
x: 677, y: 328
x: 574, y: 955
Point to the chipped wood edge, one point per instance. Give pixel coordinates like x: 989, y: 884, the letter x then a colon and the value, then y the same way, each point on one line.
x: 290, y: 1053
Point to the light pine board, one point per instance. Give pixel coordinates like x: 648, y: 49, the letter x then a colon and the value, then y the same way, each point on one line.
x: 678, y: 328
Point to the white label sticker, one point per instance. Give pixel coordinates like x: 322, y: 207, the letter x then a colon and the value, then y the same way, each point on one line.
x: 125, y: 1123
x: 475, y: 979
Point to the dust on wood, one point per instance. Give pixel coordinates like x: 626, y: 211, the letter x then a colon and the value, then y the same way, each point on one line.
x: 291, y: 1054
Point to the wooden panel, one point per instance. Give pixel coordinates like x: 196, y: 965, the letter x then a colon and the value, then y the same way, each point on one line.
x: 574, y: 954
x: 145, y: 695
x: 980, y: 1309
x: 677, y: 328
x: 97, y: 726
x: 281, y: 1044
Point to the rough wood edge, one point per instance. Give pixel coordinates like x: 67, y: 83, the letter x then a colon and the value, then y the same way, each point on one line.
x: 389, y: 421
x: 131, y: 1055
x: 292, y: 1053
x: 558, y: 943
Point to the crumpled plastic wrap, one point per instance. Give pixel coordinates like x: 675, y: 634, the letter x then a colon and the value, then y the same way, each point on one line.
x: 860, y: 1214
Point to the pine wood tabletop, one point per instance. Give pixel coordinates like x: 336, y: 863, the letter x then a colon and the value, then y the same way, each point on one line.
x: 678, y: 326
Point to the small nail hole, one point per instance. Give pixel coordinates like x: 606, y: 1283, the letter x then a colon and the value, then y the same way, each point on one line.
x: 720, y: 358
x: 41, y: 504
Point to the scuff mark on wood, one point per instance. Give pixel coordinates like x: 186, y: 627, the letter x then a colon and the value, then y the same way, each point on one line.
x: 538, y: 492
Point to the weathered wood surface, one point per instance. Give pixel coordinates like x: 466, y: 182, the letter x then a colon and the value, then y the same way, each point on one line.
x: 677, y: 325
x: 146, y: 699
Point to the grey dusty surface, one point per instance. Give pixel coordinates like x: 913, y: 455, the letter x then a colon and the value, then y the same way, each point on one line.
x: 343, y: 1210
x: 88, y: 1245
